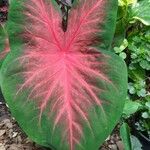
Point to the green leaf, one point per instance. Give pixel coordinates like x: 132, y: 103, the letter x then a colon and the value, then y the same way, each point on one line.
x: 145, y: 64
x: 137, y: 74
x: 131, y: 88
x: 4, y: 46
x: 148, y: 104
x: 145, y: 115
x: 125, y: 135
x: 136, y: 145
x: 122, y: 48
x: 131, y: 107
x: 142, y: 92
x: 140, y: 12
x: 109, y: 24
x: 123, y: 55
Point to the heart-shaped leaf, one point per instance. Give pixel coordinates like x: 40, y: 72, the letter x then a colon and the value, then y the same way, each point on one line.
x: 64, y: 91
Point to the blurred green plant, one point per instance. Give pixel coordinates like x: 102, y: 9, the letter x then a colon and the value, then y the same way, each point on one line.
x: 132, y: 43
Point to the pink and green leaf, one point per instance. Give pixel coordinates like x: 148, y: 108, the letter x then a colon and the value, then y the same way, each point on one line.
x: 65, y: 91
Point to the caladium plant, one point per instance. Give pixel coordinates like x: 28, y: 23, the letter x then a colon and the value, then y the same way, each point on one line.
x: 65, y: 89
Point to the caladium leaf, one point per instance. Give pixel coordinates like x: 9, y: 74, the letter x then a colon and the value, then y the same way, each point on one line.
x: 4, y: 44
x: 64, y: 91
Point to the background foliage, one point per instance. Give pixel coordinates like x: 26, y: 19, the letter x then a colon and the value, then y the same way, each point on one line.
x: 132, y: 43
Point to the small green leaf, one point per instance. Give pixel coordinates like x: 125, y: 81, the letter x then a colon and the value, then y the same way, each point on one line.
x: 148, y: 104
x: 117, y: 49
x: 131, y: 107
x: 131, y: 88
x: 141, y: 93
x: 125, y: 135
x: 145, y: 64
x: 133, y: 56
x: 145, y: 115
x: 123, y: 55
x: 136, y: 145
x: 137, y: 74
